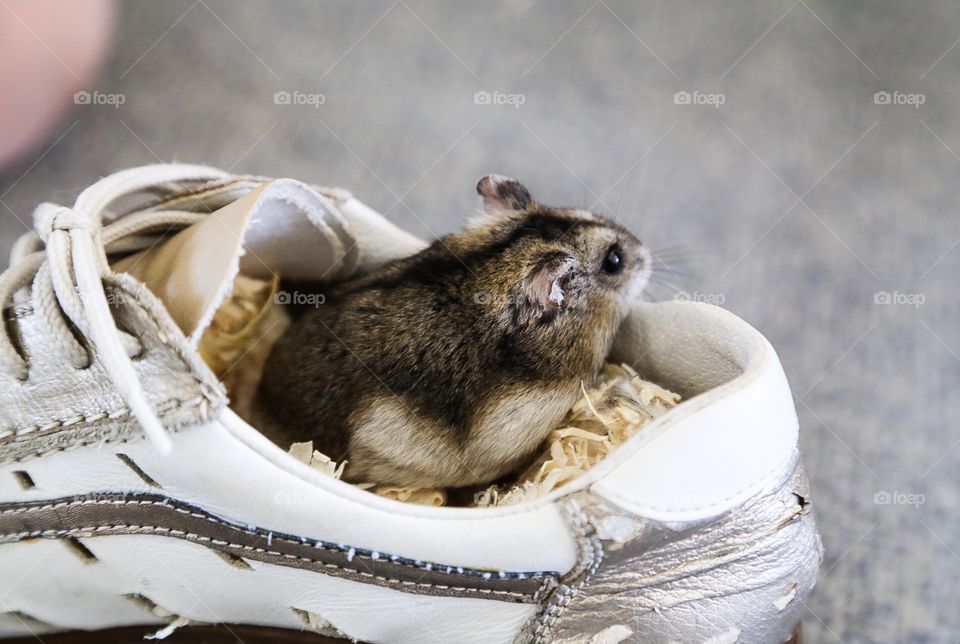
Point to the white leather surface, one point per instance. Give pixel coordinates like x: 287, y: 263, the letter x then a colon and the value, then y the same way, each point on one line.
x: 191, y: 581
x: 736, y: 428
x: 48, y: 582
x: 367, y: 224
x: 735, y: 431
x: 696, y: 462
x: 268, y: 488
x: 715, y: 450
x: 13, y: 625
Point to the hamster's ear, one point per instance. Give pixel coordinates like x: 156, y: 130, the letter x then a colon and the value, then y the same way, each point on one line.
x: 502, y: 194
x: 546, y: 285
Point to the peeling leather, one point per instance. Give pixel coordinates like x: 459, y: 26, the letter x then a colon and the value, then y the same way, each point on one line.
x: 213, y: 195
x: 748, y: 572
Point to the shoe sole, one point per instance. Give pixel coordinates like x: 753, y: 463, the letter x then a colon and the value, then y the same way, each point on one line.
x: 215, y: 634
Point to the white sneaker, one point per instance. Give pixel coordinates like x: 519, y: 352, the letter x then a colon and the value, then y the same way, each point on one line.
x: 132, y: 495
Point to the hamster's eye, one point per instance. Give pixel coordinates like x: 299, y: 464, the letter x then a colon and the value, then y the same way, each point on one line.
x: 613, y: 261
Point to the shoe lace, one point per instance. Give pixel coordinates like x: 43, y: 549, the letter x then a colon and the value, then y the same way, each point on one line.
x: 64, y: 262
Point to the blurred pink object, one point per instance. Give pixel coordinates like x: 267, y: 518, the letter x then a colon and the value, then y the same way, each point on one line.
x: 49, y: 49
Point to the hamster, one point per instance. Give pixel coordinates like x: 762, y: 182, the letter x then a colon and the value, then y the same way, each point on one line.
x: 449, y: 368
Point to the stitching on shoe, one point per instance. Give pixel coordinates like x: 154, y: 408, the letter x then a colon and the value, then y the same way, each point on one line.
x: 164, y: 407
x: 161, y: 337
x: 548, y: 577
x: 570, y: 585
x: 182, y: 364
x: 166, y: 504
x: 122, y: 296
x: 160, y: 530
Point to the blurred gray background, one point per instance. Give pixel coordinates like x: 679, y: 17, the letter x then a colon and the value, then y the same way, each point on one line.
x: 824, y: 216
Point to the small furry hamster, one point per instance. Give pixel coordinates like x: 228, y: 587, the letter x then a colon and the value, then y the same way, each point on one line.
x: 450, y: 367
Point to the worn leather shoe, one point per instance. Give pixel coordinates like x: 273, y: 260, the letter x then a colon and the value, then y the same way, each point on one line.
x: 134, y: 500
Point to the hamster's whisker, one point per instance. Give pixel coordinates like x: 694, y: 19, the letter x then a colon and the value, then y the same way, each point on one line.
x: 678, y: 262
x: 660, y: 295
x: 668, y: 264
x: 668, y: 258
x: 677, y: 253
x: 661, y: 269
x: 672, y: 275
x: 673, y: 247
x: 672, y: 280
x: 678, y: 250
x: 672, y: 288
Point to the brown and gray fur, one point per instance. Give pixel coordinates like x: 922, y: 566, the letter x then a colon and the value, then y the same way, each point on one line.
x: 450, y: 367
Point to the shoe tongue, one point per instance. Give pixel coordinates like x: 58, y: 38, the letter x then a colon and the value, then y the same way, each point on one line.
x: 282, y: 227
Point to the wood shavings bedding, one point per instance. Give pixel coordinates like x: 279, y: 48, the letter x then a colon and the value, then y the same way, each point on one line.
x: 617, y: 405
x: 305, y: 453
x: 237, y: 343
